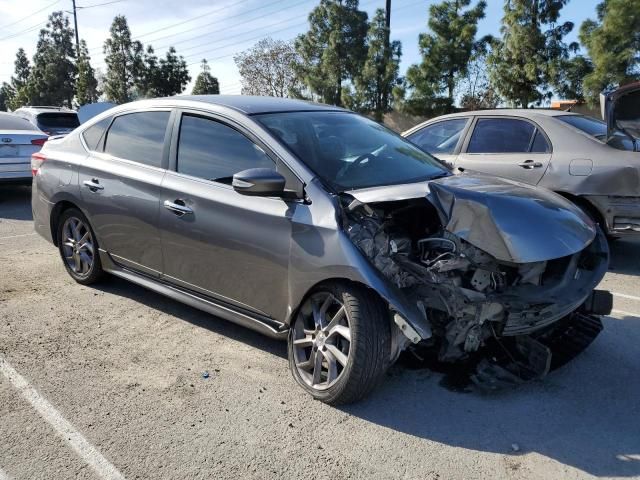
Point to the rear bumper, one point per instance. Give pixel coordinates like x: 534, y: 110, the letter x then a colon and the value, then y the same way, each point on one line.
x: 20, y: 174
x: 621, y: 214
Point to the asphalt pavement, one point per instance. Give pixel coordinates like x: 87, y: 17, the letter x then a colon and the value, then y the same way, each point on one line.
x: 107, y: 382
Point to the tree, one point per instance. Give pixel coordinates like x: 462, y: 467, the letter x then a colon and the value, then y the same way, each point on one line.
x: 333, y: 51
x: 267, y: 68
x: 613, y: 43
x: 528, y: 58
x: 149, y: 77
x: 206, y: 84
x: 474, y: 89
x: 53, y: 78
x: 569, y: 83
x: 124, y: 60
x: 6, y: 94
x: 446, y: 52
x: 174, y: 74
x: 15, y: 94
x: 379, y: 76
x: 87, y: 84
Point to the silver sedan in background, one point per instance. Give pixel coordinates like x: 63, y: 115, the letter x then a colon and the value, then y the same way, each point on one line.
x: 19, y: 139
x: 594, y: 164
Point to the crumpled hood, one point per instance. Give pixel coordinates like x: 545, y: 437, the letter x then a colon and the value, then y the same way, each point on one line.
x: 512, y: 221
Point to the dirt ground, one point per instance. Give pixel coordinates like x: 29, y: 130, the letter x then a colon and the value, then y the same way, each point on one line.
x: 107, y: 382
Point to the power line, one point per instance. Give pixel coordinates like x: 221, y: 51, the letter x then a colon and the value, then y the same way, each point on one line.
x: 29, y: 16
x: 22, y: 32
x: 100, y: 4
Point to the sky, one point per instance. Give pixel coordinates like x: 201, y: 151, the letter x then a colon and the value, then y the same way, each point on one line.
x: 218, y: 29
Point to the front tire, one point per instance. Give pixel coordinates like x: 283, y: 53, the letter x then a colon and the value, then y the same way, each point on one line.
x: 340, y: 343
x: 78, y: 247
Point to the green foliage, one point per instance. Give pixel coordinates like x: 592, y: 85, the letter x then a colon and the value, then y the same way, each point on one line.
x: 528, y: 58
x: 446, y: 53
x: 267, y: 68
x: 125, y: 63
x: 206, y: 84
x: 333, y: 51
x: 568, y: 83
x: 613, y: 44
x: 474, y: 88
x: 379, y: 76
x: 52, y: 80
x: 86, y: 85
x: 6, y: 94
x: 133, y: 72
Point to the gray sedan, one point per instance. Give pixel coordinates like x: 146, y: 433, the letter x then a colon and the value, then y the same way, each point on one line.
x: 581, y: 158
x: 311, y: 223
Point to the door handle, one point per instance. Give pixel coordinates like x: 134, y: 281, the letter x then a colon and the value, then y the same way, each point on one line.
x: 93, y: 185
x: 178, y: 207
x: 529, y: 164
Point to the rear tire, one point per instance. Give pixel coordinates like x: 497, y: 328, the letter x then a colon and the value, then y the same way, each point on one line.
x: 340, y: 343
x: 78, y: 247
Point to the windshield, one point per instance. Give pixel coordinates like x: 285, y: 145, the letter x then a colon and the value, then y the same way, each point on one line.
x: 349, y: 151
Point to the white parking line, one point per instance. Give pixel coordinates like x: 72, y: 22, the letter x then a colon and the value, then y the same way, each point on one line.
x: 629, y: 314
x: 4, y: 475
x: 17, y: 236
x: 624, y: 295
x: 67, y: 431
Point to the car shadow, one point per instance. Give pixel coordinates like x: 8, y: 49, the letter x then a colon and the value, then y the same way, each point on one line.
x: 15, y: 201
x: 584, y: 415
x: 124, y: 288
x: 624, y: 256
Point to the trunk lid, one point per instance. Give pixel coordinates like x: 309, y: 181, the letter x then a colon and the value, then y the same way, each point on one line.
x: 620, y: 108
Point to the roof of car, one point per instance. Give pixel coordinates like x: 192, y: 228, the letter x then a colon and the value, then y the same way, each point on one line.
x: 250, y: 105
x: 523, y: 112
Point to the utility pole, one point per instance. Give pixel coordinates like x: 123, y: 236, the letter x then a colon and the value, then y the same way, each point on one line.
x: 387, y: 11
x: 75, y: 23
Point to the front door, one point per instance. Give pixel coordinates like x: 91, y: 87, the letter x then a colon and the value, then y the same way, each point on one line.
x: 506, y: 147
x: 121, y: 189
x: 231, y: 247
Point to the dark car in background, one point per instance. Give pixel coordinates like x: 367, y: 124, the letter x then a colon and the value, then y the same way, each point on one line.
x: 309, y: 222
x: 50, y: 120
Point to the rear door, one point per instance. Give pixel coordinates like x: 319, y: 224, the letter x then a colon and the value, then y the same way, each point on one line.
x: 231, y: 247
x: 442, y: 139
x: 509, y: 147
x: 120, y: 185
x: 18, y: 140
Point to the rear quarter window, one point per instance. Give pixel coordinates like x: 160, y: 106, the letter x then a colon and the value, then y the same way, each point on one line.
x: 94, y: 135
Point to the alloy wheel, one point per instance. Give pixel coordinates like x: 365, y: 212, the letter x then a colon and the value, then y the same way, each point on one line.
x: 77, y: 246
x: 321, y: 340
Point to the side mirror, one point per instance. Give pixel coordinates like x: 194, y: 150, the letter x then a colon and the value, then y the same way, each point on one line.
x: 263, y: 182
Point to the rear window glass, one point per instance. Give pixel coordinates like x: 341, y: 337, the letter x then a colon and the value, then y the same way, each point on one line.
x: 501, y: 135
x: 58, y: 120
x: 138, y: 137
x: 9, y: 121
x: 588, y: 125
x: 95, y: 133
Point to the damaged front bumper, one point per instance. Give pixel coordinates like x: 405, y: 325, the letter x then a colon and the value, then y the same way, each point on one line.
x: 460, y: 255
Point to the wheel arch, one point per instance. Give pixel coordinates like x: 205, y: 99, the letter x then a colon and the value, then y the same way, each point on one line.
x: 56, y: 212
x: 588, y: 207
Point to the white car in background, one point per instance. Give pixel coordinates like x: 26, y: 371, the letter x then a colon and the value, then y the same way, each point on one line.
x: 19, y: 139
x: 593, y: 163
x: 51, y: 120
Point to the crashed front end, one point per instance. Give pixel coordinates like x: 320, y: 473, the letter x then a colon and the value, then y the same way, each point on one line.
x: 492, y: 266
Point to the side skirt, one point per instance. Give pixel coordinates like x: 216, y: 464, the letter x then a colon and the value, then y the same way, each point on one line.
x: 266, y: 326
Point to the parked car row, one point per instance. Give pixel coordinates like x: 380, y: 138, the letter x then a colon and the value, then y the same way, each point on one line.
x: 594, y: 164
x: 311, y: 223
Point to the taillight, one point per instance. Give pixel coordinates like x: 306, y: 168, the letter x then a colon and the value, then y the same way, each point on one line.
x: 38, y: 141
x: 37, y: 159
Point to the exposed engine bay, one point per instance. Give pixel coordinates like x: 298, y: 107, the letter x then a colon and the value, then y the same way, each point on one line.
x: 471, y: 300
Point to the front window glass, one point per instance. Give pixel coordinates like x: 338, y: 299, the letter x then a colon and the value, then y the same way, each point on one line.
x: 211, y: 150
x: 441, y: 137
x: 349, y: 151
